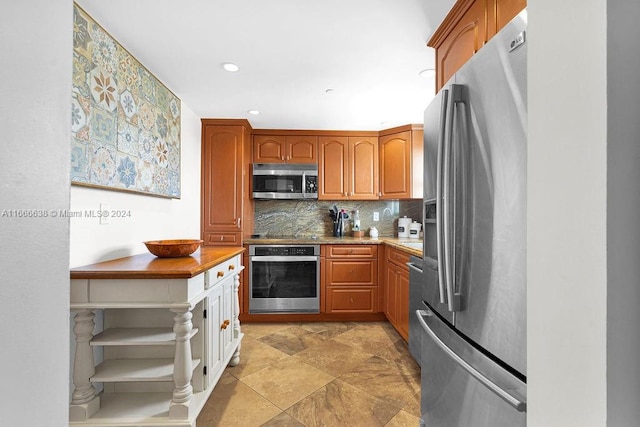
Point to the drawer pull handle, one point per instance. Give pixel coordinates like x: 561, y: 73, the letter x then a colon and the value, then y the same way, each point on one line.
x: 220, y: 273
x: 232, y: 267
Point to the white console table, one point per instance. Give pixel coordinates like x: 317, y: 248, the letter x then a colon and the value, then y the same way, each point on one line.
x: 170, y: 328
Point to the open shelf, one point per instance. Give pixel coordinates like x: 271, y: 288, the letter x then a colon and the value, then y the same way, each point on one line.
x: 137, y: 336
x: 121, y: 370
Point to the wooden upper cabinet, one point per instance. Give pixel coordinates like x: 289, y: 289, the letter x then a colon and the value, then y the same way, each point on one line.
x: 301, y: 149
x: 333, y: 169
x: 459, y: 37
x: 505, y: 11
x: 226, y: 209
x: 222, y: 178
x: 268, y: 149
x: 348, y: 168
x: 467, y: 27
x: 401, y: 163
x: 363, y: 164
x: 285, y: 149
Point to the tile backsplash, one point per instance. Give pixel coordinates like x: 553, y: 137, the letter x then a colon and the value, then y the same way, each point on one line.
x: 303, y: 218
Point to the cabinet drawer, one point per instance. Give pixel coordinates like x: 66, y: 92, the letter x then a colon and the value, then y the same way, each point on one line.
x: 223, y: 270
x: 345, y: 300
x: 351, y: 272
x: 352, y: 251
x: 398, y: 257
x: 221, y: 239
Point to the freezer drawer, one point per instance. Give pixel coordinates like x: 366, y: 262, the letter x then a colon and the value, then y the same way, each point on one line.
x: 461, y: 387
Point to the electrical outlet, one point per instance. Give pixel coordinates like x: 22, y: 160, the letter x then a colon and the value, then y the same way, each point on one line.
x: 376, y: 216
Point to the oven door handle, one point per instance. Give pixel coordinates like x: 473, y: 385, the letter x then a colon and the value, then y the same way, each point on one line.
x: 259, y: 258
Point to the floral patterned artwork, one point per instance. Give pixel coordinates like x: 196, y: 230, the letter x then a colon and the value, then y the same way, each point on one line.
x: 125, y: 124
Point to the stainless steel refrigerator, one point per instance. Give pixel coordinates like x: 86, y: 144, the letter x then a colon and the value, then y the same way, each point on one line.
x: 472, y: 313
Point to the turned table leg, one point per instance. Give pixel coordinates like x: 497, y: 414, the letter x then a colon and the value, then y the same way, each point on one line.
x: 235, y: 359
x: 84, y: 401
x: 182, y: 370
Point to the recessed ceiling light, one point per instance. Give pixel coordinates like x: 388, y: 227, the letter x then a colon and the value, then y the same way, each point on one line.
x: 253, y: 112
x: 230, y: 66
x: 428, y: 73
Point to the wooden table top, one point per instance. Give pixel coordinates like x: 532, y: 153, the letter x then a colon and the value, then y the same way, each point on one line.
x: 148, y: 266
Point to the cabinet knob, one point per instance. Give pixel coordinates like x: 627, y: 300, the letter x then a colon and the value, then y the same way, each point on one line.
x: 221, y: 238
x: 232, y: 267
x: 220, y: 273
x: 224, y: 324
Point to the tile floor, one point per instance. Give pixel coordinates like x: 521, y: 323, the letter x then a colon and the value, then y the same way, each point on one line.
x: 317, y: 374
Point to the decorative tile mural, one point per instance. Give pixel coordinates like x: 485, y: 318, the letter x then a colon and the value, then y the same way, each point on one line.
x: 125, y: 124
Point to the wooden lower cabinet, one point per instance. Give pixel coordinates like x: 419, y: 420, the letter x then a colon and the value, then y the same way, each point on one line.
x: 350, y: 278
x: 396, y: 290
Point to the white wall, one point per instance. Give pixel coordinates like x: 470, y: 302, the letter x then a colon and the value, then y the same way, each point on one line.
x: 567, y: 214
x: 35, y: 87
x: 623, y: 206
x: 152, y: 218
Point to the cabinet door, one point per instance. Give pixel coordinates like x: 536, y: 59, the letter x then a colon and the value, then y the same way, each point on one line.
x: 505, y: 11
x: 269, y: 149
x: 333, y: 168
x: 222, y: 178
x: 390, y: 294
x: 352, y: 300
x: 395, y: 166
x: 226, y: 327
x: 351, y: 272
x: 214, y: 345
x: 301, y: 149
x: 363, y: 168
x: 466, y: 37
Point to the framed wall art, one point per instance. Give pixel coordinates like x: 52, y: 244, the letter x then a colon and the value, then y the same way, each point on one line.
x: 125, y: 124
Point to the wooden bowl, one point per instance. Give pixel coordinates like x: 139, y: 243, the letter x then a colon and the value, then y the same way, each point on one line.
x: 173, y: 248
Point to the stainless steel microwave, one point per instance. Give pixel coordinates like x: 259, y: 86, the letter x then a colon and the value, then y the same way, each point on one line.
x: 284, y: 181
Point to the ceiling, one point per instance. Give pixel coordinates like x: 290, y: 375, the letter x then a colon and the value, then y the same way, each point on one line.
x: 290, y: 52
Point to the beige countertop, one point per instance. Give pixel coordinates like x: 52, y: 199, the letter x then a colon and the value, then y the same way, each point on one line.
x: 405, y: 244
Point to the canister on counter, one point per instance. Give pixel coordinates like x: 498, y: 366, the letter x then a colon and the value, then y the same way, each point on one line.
x: 414, y: 230
x: 403, y: 227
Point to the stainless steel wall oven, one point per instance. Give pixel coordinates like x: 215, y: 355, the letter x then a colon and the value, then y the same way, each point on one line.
x: 284, y: 279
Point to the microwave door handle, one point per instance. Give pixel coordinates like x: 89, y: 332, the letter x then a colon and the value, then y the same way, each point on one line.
x: 303, y: 184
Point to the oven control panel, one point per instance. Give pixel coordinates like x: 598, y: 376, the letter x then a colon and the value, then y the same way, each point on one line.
x: 282, y: 250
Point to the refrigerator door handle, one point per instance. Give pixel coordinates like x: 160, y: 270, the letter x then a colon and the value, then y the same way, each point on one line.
x: 516, y: 403
x: 439, y: 200
x: 448, y: 199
